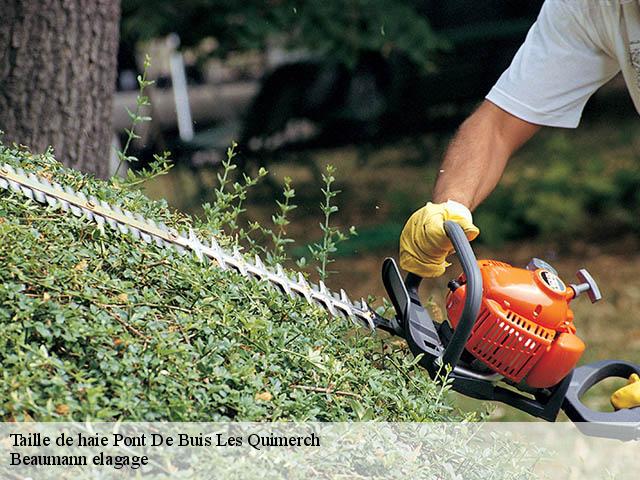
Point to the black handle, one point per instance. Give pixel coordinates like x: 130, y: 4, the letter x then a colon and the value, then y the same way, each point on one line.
x: 473, y: 297
x: 622, y: 424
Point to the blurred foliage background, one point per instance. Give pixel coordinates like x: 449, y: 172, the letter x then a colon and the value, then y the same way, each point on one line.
x: 341, y: 31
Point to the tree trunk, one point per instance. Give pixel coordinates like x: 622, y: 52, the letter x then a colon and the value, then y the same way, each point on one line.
x: 57, y: 77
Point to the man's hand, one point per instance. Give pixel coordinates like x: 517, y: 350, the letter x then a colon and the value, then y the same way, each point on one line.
x: 627, y: 396
x: 424, y: 245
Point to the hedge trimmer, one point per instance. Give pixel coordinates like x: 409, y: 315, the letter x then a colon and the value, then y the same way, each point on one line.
x: 509, y: 337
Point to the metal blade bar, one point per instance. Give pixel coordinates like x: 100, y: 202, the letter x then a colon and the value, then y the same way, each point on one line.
x: 41, y: 190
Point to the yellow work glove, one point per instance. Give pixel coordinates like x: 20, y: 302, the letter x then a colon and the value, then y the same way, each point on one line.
x: 424, y: 245
x: 629, y: 395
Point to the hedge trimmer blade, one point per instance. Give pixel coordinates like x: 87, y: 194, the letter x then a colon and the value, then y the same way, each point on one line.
x: 100, y: 212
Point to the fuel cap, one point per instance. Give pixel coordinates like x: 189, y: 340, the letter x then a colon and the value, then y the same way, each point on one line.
x: 537, y: 263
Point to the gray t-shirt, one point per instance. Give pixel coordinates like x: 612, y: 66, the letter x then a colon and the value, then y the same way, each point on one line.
x: 573, y: 48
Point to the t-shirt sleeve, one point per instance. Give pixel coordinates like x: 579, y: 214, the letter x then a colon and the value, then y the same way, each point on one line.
x: 558, y: 67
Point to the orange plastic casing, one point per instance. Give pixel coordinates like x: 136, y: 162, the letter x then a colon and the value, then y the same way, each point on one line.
x: 525, y: 329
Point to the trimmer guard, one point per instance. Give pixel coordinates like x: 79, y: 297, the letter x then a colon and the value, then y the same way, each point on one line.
x: 439, y: 347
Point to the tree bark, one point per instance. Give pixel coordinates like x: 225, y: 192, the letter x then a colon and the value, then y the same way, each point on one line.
x: 57, y: 77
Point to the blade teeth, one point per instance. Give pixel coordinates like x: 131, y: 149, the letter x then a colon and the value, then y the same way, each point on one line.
x: 87, y: 213
x: 258, y: 262
x: 303, y: 281
x: 214, y: 244
x: 305, y: 289
x: 325, y: 298
x: 344, y: 297
x: 122, y: 227
x: 327, y: 305
x: 239, y: 262
x: 216, y: 252
x: 346, y: 308
x: 53, y: 202
x: 284, y: 280
x: 27, y: 192
x: 331, y: 307
x: 40, y: 196
x: 159, y: 242
x: 196, y: 245
x: 258, y: 269
x: 292, y: 284
x: 75, y: 210
x: 135, y: 233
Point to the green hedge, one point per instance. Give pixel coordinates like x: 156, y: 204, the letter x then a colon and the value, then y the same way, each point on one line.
x: 95, y: 325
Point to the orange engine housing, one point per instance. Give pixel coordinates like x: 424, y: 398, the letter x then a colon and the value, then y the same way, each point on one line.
x: 525, y: 329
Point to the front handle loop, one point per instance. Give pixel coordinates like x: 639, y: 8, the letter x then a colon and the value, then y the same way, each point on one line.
x: 473, y: 298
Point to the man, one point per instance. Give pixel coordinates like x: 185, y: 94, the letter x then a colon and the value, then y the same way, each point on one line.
x: 573, y: 48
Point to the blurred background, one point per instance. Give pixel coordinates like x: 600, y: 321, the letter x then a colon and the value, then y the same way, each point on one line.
x: 377, y: 88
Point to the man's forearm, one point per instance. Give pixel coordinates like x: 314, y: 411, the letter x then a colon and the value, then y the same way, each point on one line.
x: 478, y: 154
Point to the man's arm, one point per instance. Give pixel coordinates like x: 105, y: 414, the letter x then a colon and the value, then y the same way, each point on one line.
x: 561, y: 63
x: 471, y: 169
x: 478, y: 154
